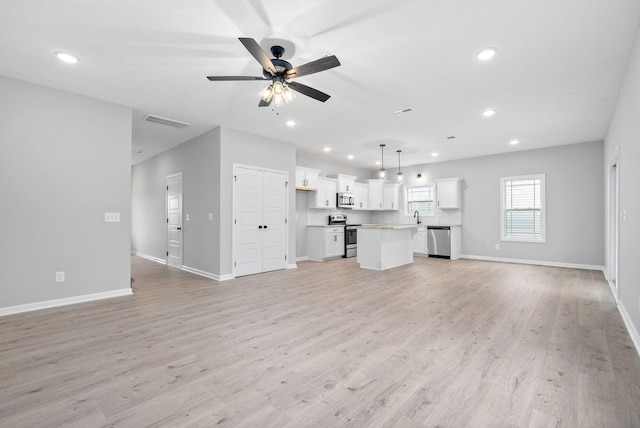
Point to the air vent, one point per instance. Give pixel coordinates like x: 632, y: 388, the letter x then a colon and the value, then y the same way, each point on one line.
x: 165, y: 121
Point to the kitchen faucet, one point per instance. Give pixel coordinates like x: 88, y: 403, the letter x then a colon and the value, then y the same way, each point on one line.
x: 417, y: 214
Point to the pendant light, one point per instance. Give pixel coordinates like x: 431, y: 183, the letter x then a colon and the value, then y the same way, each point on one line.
x: 382, y: 171
x: 399, y: 173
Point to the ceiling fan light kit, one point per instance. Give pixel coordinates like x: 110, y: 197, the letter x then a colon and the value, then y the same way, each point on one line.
x: 281, y: 72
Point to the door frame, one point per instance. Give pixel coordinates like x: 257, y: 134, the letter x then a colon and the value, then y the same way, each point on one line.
x: 166, y: 213
x: 233, y: 212
x: 613, y: 207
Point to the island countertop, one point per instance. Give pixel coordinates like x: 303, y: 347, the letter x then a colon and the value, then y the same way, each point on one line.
x: 388, y: 226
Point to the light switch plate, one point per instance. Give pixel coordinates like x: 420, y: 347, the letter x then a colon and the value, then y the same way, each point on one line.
x: 111, y: 217
x: 210, y: 216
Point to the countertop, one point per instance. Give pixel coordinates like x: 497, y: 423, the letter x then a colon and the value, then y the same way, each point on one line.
x: 388, y: 226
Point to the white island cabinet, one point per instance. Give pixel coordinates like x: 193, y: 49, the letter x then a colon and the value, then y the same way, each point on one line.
x: 382, y: 247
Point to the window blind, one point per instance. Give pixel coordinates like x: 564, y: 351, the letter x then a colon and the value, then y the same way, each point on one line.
x: 420, y: 199
x: 523, y: 209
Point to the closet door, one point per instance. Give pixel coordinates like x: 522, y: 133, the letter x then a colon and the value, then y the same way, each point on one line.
x: 273, y: 217
x: 248, y: 219
x: 260, y: 229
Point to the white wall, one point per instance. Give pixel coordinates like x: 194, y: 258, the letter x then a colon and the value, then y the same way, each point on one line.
x: 66, y: 160
x: 198, y: 161
x: 623, y: 138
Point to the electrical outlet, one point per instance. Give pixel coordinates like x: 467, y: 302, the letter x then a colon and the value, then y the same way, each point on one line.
x: 60, y: 276
x: 210, y: 216
x: 187, y: 217
x: 497, y: 246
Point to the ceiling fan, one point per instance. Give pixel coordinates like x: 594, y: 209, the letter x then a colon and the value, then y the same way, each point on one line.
x: 280, y: 73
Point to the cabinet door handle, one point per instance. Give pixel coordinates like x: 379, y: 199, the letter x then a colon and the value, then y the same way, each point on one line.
x: 265, y: 226
x: 259, y: 226
x: 335, y: 238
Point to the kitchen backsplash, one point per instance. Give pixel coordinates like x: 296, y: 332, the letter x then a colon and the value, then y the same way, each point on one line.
x: 444, y: 217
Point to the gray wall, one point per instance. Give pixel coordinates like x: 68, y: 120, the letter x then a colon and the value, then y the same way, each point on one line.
x: 239, y: 147
x: 574, y: 197
x: 65, y: 161
x: 623, y: 137
x: 198, y: 161
x: 316, y: 161
x: 206, y: 163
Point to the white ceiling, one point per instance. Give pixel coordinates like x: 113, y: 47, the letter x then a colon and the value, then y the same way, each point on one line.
x: 554, y: 80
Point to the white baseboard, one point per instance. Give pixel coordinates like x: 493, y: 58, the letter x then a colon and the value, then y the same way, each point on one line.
x: 148, y: 257
x: 302, y: 259
x: 292, y: 266
x: 635, y: 337
x: 533, y: 262
x: 206, y: 274
x: 63, y: 302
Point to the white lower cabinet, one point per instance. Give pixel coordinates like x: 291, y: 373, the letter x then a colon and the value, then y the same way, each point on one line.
x: 420, y: 242
x: 325, y: 242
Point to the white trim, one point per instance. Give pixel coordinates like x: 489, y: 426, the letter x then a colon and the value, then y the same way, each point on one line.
x: 302, y: 259
x: 148, y: 257
x: 292, y: 266
x: 543, y: 212
x: 10, y: 310
x: 635, y: 337
x: 613, y: 290
x: 534, y: 262
x: 206, y: 274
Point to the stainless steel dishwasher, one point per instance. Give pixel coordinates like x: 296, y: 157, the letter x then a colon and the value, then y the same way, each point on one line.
x: 439, y: 241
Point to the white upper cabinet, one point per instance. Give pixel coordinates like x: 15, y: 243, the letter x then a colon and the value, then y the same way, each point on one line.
x: 361, y: 196
x: 306, y: 178
x: 346, y: 183
x: 391, y: 196
x: 448, y: 193
x: 376, y: 194
x: 325, y: 196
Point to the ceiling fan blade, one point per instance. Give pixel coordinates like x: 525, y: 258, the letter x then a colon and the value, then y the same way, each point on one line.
x: 263, y: 103
x: 314, y: 66
x: 233, y: 78
x: 310, y: 92
x: 254, y: 49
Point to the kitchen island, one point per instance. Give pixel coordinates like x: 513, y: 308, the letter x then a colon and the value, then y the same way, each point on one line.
x: 385, y: 246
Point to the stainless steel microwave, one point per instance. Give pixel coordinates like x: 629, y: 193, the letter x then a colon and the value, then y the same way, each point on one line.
x: 346, y: 200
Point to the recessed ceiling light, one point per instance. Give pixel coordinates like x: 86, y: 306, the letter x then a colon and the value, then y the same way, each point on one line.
x: 350, y: 157
x: 291, y: 123
x: 434, y: 154
x: 327, y: 149
x: 514, y: 142
x: 65, y: 57
x: 488, y: 113
x: 377, y: 162
x: 487, y: 54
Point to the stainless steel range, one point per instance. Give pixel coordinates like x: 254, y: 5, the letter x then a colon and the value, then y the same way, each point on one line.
x: 350, y: 234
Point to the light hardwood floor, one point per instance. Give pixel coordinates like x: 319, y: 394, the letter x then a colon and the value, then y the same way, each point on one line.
x: 437, y: 343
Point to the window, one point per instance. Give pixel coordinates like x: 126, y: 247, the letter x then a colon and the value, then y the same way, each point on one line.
x: 523, y: 213
x: 420, y: 199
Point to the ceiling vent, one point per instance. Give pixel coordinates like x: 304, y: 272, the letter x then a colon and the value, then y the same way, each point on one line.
x: 164, y: 121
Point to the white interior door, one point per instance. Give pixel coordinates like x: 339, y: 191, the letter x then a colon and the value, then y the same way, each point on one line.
x: 259, y: 217
x: 174, y: 220
x: 273, y: 219
x: 248, y: 219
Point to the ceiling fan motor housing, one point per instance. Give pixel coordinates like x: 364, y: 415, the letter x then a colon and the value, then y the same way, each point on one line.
x: 281, y: 66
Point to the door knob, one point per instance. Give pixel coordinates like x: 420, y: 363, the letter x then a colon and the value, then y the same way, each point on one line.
x: 178, y: 228
x: 260, y: 227
x: 265, y: 226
